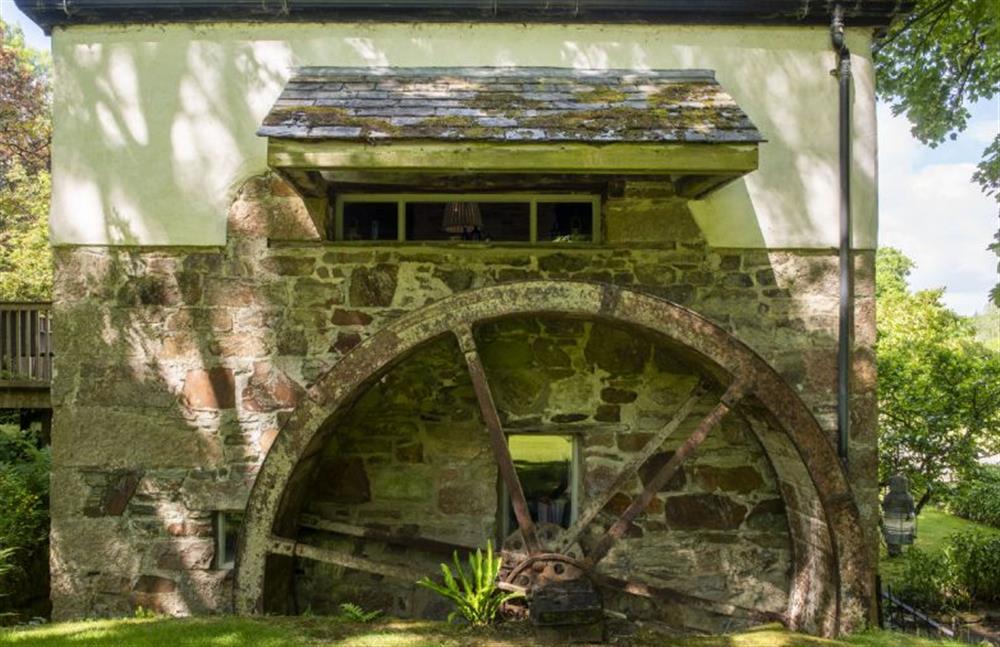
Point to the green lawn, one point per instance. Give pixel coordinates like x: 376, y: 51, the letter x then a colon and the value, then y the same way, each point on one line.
x: 933, y: 529
x: 318, y: 632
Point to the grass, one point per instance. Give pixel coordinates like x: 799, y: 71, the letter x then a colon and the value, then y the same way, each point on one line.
x: 933, y: 529
x: 330, y: 632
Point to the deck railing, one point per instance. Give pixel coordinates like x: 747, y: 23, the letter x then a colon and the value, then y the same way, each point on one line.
x: 25, y: 344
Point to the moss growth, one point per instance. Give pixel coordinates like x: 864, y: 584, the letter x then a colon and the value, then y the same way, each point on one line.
x: 623, y: 118
x: 602, y: 94
x: 470, y: 128
x: 680, y: 92
x: 329, y: 116
x: 449, y: 121
x: 504, y: 103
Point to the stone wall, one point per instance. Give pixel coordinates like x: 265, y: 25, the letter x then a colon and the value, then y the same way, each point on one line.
x: 177, y: 366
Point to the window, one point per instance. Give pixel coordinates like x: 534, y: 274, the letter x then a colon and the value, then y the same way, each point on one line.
x: 227, y: 531
x: 371, y: 221
x: 502, y: 218
x: 548, y: 468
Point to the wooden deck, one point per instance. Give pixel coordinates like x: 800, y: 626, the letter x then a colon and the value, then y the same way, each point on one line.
x: 25, y: 355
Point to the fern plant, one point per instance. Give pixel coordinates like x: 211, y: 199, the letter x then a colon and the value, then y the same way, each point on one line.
x: 474, y: 593
x: 354, y: 613
x: 7, y: 564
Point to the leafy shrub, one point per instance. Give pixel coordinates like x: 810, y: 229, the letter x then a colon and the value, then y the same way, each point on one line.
x: 967, y: 570
x: 6, y: 561
x: 142, y: 613
x: 475, y: 594
x: 928, y: 581
x: 975, y: 561
x: 355, y: 613
x: 24, y: 513
x: 977, y: 497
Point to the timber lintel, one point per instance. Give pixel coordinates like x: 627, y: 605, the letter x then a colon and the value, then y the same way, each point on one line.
x: 725, y: 161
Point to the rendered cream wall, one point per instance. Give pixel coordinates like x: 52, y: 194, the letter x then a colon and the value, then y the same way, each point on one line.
x: 154, y: 125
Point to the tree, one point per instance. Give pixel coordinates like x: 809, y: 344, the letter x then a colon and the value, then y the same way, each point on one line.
x: 25, y: 131
x: 939, y: 388
x: 936, y: 61
x: 26, y: 259
x: 987, y: 325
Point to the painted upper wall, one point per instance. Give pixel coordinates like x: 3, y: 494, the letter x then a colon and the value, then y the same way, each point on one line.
x: 154, y: 126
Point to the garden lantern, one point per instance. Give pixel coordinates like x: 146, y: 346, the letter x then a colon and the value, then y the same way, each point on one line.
x: 899, y: 523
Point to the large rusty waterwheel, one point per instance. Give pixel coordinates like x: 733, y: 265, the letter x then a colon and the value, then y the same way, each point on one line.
x: 829, y: 584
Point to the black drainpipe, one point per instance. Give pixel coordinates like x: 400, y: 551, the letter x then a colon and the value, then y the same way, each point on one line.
x: 843, y: 74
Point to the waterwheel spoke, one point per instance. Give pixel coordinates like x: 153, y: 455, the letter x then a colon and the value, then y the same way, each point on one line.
x: 498, y: 442
x: 663, y: 594
x: 596, y: 504
x: 291, y: 548
x: 396, y: 538
x: 730, y: 398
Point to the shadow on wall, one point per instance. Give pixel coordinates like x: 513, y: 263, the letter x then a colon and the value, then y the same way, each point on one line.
x: 167, y: 395
x: 150, y: 135
x: 155, y: 130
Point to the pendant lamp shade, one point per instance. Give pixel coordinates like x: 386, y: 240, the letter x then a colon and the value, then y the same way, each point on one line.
x: 461, y: 217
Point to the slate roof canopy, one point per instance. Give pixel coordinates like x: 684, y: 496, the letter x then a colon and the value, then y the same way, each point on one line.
x: 507, y: 104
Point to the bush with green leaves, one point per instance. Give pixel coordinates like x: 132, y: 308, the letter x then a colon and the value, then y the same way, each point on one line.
x: 966, y: 571
x: 928, y: 581
x: 474, y: 593
x: 975, y: 559
x: 977, y: 497
x: 24, y: 514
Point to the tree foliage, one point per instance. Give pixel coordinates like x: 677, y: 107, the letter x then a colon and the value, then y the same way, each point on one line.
x: 939, y: 387
x: 25, y: 125
x: 939, y: 59
x: 25, y: 131
x: 26, y: 258
x: 935, y: 62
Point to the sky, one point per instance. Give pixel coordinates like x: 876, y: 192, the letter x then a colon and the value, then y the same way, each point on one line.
x: 928, y: 205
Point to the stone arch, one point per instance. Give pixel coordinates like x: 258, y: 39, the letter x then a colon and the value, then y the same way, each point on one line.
x: 831, y: 585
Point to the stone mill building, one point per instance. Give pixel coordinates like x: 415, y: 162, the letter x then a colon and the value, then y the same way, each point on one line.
x: 344, y: 286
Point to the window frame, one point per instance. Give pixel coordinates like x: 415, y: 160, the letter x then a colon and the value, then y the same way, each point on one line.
x: 402, y: 199
x: 576, y: 467
x: 223, y: 519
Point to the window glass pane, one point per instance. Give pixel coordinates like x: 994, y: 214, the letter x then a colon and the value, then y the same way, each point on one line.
x: 565, y: 222
x: 496, y: 221
x: 371, y: 221
x: 545, y: 466
x: 227, y: 531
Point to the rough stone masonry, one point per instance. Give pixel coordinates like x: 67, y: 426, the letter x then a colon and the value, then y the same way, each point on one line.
x: 176, y: 369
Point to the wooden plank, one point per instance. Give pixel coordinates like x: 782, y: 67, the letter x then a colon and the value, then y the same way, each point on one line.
x: 498, y: 442
x: 429, y: 543
x: 290, y: 547
x: 24, y: 360
x: 696, y: 187
x: 37, y: 374
x: 627, y: 473
x: 13, y: 397
x: 730, y: 398
x: 664, y: 594
x: 4, y: 335
x: 18, y: 350
x: 553, y: 157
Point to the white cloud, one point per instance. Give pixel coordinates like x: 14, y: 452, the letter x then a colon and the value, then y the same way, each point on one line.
x: 984, y: 131
x: 936, y: 215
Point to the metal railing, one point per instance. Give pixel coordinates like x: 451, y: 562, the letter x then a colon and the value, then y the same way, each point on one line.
x: 897, y: 614
x: 25, y: 344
